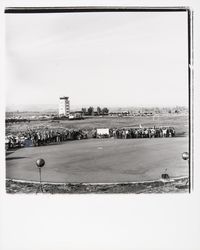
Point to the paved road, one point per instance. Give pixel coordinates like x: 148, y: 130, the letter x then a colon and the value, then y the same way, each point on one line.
x: 101, y: 160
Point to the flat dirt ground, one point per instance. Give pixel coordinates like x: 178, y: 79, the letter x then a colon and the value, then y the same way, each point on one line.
x: 179, y: 122
x: 101, y: 160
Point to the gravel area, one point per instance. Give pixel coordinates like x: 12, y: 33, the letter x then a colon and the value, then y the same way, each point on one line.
x: 179, y: 185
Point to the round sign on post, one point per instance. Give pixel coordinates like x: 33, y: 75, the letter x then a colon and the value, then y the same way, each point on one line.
x: 40, y: 163
x: 185, y: 155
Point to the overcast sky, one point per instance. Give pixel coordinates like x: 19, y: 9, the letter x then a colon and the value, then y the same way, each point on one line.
x: 112, y: 59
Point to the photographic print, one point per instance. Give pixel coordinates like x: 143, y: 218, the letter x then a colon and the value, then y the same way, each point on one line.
x: 98, y: 100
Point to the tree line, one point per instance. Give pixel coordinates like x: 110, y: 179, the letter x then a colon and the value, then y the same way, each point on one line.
x: 99, y: 111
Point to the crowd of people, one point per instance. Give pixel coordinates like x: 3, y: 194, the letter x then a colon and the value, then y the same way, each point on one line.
x: 139, y: 133
x: 39, y: 137
x: 142, y: 132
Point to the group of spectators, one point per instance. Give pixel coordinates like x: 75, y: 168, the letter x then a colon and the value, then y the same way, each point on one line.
x: 140, y: 133
x: 39, y: 137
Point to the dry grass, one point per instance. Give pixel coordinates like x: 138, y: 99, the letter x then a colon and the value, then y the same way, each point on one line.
x: 172, y: 186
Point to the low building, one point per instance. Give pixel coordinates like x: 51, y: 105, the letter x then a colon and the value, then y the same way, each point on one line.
x: 76, y: 115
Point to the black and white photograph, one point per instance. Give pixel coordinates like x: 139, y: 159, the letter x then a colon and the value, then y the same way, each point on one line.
x: 98, y: 100
x: 99, y: 142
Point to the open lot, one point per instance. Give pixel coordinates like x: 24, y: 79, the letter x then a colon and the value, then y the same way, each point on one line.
x: 179, y: 122
x: 101, y: 160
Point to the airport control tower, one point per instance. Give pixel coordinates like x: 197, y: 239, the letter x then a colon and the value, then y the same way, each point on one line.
x: 64, y: 108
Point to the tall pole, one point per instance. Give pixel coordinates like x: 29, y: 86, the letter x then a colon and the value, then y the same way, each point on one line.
x: 186, y: 157
x: 40, y: 163
x: 40, y: 173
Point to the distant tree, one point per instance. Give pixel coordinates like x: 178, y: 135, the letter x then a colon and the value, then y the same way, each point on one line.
x: 98, y: 110
x: 105, y: 111
x: 90, y: 111
x: 157, y: 110
x: 84, y: 111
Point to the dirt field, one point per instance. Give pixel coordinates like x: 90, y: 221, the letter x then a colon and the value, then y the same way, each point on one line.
x: 179, y: 122
x: 101, y: 160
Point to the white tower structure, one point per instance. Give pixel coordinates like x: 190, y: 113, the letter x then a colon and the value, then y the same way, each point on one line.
x: 64, y: 108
